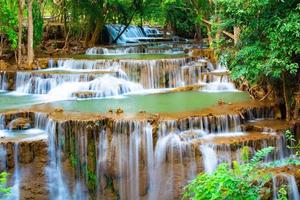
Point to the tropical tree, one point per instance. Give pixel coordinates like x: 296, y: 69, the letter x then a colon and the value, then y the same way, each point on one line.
x: 268, y: 50
x: 8, y: 24
x: 30, y: 52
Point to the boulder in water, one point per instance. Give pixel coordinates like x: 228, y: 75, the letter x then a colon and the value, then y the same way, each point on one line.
x: 20, y: 124
x: 119, y: 111
x: 84, y: 94
x: 58, y: 110
x: 221, y: 102
x: 110, y: 111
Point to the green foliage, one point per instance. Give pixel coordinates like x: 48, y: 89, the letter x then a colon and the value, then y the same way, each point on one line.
x: 222, y: 184
x: 243, y: 181
x: 290, y: 137
x: 9, y: 21
x: 282, y: 162
x: 4, y: 190
x: 180, y: 17
x: 270, y: 37
x: 92, y: 179
x: 282, y: 193
x: 258, y: 157
x: 245, y: 153
x: 37, y: 23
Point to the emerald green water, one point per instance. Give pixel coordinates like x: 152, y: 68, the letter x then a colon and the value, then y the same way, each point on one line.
x: 154, y: 103
x: 11, y: 101
x: 138, y: 56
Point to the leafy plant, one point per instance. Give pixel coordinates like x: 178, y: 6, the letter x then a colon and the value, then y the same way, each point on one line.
x: 9, y: 22
x: 290, y: 137
x: 4, y: 190
x: 282, y: 193
x: 243, y: 181
x: 37, y: 23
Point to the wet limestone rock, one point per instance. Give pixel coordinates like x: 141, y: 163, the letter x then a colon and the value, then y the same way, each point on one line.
x: 20, y: 123
x: 3, y: 64
x: 58, y: 110
x: 110, y: 111
x: 221, y: 102
x: 84, y: 94
x: 119, y: 111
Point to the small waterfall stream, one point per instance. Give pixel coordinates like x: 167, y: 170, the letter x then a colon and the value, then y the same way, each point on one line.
x: 288, y: 182
x: 56, y: 180
x: 15, y: 191
x: 102, y: 78
x: 132, y: 33
x: 3, y: 81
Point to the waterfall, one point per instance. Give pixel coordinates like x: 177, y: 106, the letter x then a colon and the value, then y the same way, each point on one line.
x: 210, y: 160
x: 128, y: 157
x: 91, y: 77
x: 168, y: 152
x: 2, y: 121
x: 65, y: 86
x: 132, y: 33
x: 114, y: 51
x: 15, y: 192
x: 208, y: 124
x: 3, y: 81
x: 130, y: 50
x: 287, y: 180
x: 3, y: 155
x: 102, y: 163
x: 56, y: 180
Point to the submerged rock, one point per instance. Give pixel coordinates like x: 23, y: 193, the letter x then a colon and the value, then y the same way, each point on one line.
x: 119, y: 111
x: 84, y: 94
x: 58, y: 110
x: 20, y: 124
x: 110, y: 111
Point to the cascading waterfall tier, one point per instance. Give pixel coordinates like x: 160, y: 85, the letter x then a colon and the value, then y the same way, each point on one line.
x: 70, y: 85
x: 101, y: 78
x: 114, y: 51
x: 165, y: 73
x: 132, y: 33
x: 140, y: 158
x: 131, y: 159
x: 133, y: 50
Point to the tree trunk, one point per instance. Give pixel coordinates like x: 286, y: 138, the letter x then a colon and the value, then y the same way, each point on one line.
x: 30, y: 53
x: 210, y: 40
x: 1, y: 44
x: 198, y: 33
x: 297, y: 105
x: 65, y: 18
x: 20, y: 18
x: 286, y: 99
x: 96, y: 34
x: 236, y: 33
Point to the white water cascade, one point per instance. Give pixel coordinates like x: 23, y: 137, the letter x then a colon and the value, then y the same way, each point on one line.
x: 103, y: 78
x: 210, y: 159
x: 15, y: 191
x: 114, y: 51
x: 137, y: 49
x: 66, y: 86
x: 132, y: 34
x: 289, y: 183
x: 3, y: 81
x: 55, y: 177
